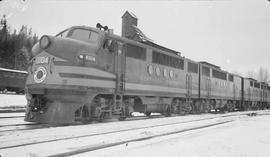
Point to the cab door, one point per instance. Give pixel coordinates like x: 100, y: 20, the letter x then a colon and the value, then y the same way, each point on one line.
x: 119, y: 62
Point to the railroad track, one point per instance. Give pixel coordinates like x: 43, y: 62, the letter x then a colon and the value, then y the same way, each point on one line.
x: 107, y: 145
x: 21, y: 126
x: 102, y: 135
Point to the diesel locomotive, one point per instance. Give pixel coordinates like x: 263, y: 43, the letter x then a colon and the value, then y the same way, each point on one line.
x: 85, y: 73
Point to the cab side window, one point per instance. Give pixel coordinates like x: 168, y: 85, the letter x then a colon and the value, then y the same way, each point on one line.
x: 110, y: 45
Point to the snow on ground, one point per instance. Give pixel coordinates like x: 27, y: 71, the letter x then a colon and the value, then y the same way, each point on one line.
x: 7, y: 100
x: 246, y: 137
x: 28, y: 136
x: 174, y: 145
x: 87, y: 142
x: 12, y: 121
x: 3, y: 115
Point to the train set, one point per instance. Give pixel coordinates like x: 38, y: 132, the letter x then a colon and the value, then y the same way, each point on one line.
x: 85, y: 73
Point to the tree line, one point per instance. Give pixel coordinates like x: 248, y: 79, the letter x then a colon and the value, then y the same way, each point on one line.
x: 262, y: 75
x: 15, y: 46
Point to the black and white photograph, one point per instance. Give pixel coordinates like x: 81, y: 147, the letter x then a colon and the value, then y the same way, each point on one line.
x: 135, y: 78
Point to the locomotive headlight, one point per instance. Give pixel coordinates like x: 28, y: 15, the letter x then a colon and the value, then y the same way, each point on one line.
x: 87, y: 58
x: 40, y: 75
x: 44, y: 42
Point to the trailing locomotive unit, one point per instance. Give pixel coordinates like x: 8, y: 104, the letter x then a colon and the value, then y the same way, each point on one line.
x: 86, y: 73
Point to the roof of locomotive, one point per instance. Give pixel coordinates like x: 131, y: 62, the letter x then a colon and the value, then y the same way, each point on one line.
x: 126, y: 40
x: 209, y: 64
x: 252, y: 79
x: 85, y: 27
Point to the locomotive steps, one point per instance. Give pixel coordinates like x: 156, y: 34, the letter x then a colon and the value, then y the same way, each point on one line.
x: 73, y: 140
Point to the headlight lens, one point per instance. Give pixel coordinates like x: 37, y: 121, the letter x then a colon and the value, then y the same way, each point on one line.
x: 44, y: 42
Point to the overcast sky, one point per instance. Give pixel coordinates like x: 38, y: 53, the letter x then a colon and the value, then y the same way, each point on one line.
x: 233, y: 34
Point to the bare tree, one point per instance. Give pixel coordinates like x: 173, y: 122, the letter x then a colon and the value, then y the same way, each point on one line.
x: 237, y: 73
x: 251, y: 74
x: 263, y: 75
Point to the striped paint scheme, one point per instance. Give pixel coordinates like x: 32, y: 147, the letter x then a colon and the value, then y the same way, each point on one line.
x: 89, y: 83
x: 85, y: 71
x: 143, y: 87
x: 93, y: 77
x: 82, y: 76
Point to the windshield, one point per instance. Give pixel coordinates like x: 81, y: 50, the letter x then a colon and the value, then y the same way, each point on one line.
x: 80, y: 34
x: 63, y: 34
x: 83, y: 35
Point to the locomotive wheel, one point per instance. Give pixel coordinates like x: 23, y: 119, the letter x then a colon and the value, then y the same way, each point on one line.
x: 168, y: 112
x: 122, y: 115
x: 5, y: 91
x: 101, y: 117
x: 122, y: 118
x: 148, y: 114
x: 84, y: 114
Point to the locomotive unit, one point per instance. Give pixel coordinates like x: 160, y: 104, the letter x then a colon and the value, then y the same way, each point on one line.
x: 12, y: 80
x: 87, y: 73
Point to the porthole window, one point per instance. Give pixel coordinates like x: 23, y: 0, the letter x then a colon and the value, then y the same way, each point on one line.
x: 171, y: 74
x: 150, y: 69
x: 157, y: 71
x: 165, y: 73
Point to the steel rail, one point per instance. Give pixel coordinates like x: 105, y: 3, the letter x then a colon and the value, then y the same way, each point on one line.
x: 89, y: 149
x: 116, y: 131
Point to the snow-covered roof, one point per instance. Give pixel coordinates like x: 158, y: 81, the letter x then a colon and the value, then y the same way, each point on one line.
x: 141, y: 34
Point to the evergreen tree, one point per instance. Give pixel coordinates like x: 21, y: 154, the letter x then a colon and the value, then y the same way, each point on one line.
x: 15, y: 48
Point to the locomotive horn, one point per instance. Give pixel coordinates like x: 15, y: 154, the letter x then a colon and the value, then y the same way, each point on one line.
x: 99, y: 26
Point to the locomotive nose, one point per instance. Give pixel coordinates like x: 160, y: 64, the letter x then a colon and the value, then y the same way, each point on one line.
x: 66, y: 48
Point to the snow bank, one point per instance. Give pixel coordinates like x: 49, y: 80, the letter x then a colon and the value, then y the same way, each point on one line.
x: 9, y: 100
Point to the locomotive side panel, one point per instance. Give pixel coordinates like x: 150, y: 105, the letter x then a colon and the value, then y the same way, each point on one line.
x: 234, y: 90
x: 205, y: 82
x: 145, y: 76
x: 238, y: 91
x: 263, y: 103
x: 192, y: 79
x: 256, y: 91
x: 247, y: 89
x: 219, y: 84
